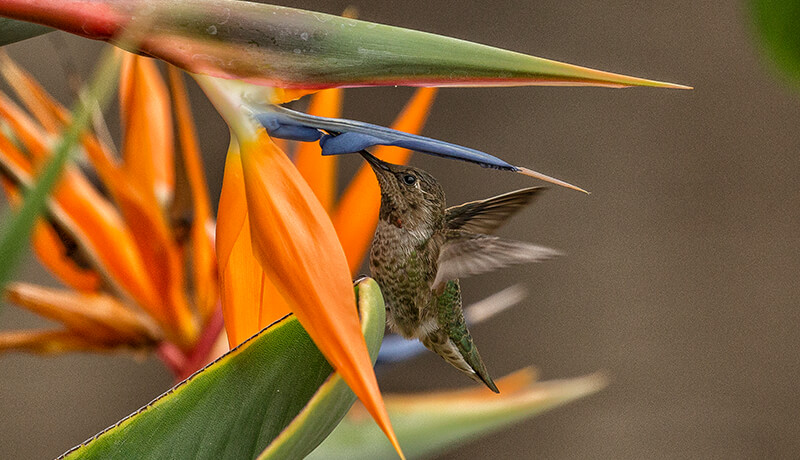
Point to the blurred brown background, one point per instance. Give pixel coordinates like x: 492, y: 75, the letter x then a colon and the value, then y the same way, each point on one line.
x: 679, y: 279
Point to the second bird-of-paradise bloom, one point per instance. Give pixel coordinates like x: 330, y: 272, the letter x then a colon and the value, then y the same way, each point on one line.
x: 119, y: 236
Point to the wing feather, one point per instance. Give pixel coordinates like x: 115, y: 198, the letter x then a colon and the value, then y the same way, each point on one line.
x: 466, y: 254
x: 486, y: 216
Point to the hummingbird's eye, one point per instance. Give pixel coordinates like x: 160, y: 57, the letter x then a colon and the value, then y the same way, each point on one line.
x: 409, y: 179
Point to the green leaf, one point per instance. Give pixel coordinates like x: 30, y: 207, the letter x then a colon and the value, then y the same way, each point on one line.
x: 778, y: 24
x: 334, y: 398
x: 12, y: 31
x: 286, y: 47
x: 16, y: 226
x: 276, y: 388
x: 427, y: 424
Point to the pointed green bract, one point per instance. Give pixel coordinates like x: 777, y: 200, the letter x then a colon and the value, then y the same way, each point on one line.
x: 291, y: 48
x: 276, y: 390
x: 429, y: 424
x: 314, y: 423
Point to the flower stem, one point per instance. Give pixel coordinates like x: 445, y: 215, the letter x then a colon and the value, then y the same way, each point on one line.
x: 184, y: 364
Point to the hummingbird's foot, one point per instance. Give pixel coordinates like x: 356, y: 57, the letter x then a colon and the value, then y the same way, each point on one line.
x: 359, y: 279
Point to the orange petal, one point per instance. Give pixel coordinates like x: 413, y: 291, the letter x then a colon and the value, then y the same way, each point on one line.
x: 97, y: 317
x: 248, y: 298
x: 95, y: 222
x: 161, y: 257
x: 26, y: 130
x: 144, y: 214
x: 203, y: 260
x: 13, y: 162
x: 47, y: 111
x: 54, y: 255
x: 284, y: 95
x: 356, y: 214
x: 285, y: 146
x: 117, y: 251
x: 149, y: 228
x: 92, y: 221
x: 319, y: 171
x: 145, y: 108
x: 298, y: 248
x: 46, y: 342
x: 51, y: 250
x: 509, y: 385
x: 48, y: 246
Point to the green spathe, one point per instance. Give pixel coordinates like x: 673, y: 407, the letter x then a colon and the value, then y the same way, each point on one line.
x: 276, y: 390
x: 428, y: 424
x: 292, y: 48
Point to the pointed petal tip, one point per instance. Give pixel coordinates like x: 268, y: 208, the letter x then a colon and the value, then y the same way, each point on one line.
x: 587, y: 384
x: 614, y: 80
x: 546, y: 178
x: 667, y: 85
x: 677, y: 86
x: 397, y: 448
x: 642, y: 82
x: 495, y: 303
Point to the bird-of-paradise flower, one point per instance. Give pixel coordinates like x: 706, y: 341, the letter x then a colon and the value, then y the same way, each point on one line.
x: 97, y: 314
x: 278, y: 249
x: 135, y: 250
x: 273, y: 232
x: 354, y: 214
x: 105, y: 309
x: 102, y: 259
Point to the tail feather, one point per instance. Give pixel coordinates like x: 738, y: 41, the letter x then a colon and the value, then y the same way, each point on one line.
x: 464, y: 357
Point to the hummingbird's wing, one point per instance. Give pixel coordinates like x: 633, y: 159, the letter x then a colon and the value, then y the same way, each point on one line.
x: 486, y: 216
x: 465, y: 253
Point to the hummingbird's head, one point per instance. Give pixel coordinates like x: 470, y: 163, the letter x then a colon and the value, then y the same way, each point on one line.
x: 410, y: 198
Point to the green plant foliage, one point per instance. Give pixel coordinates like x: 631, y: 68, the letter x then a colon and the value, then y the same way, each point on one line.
x: 276, y: 390
x: 429, y: 424
x: 12, y: 31
x: 286, y: 47
x: 16, y: 227
x: 778, y: 25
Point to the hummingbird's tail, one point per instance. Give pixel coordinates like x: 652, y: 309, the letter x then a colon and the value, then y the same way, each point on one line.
x: 464, y: 358
x: 452, y: 340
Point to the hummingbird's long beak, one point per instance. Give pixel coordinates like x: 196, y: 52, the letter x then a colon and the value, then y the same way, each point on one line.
x: 377, y: 165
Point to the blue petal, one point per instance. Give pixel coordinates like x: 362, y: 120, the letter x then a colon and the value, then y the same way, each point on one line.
x: 338, y: 136
x: 395, y: 349
x: 278, y: 127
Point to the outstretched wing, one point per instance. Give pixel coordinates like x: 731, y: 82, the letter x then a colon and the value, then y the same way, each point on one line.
x: 466, y: 253
x: 486, y: 216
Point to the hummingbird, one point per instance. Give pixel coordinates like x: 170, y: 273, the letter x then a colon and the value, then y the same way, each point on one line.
x: 421, y: 249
